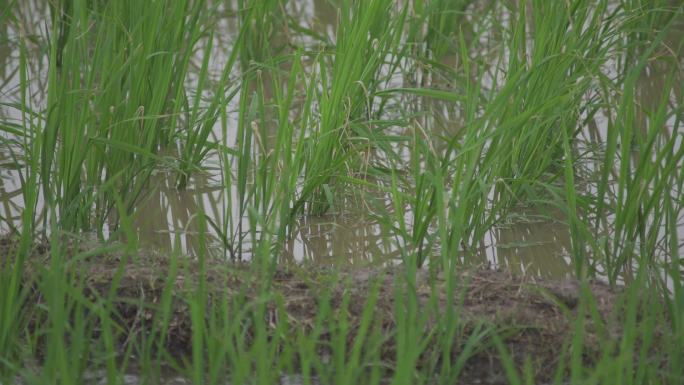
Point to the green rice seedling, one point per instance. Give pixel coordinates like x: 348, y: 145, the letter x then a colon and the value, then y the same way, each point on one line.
x: 442, y: 20
x: 630, y: 358
x: 259, y: 21
x: 365, y: 31
x: 115, y: 92
x: 642, y: 22
x: 410, y: 341
x: 289, y: 153
x: 201, y: 122
x: 273, y: 163
x: 14, y: 314
x: 249, y: 168
x: 322, y: 125
x: 244, y: 160
x: 517, y: 141
x: 642, y: 155
x: 546, y: 103
x: 64, y: 322
x: 197, y: 314
x: 6, y: 16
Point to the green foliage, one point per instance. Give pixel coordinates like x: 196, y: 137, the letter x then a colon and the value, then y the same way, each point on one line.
x: 295, y: 123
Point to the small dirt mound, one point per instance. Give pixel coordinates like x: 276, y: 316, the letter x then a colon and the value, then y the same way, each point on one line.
x: 533, y: 317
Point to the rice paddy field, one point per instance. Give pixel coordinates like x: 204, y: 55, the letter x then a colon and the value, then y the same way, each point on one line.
x: 341, y: 192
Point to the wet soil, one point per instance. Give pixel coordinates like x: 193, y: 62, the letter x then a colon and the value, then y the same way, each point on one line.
x: 533, y: 317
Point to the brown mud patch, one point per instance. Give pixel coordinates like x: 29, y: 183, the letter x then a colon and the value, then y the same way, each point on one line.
x: 533, y: 317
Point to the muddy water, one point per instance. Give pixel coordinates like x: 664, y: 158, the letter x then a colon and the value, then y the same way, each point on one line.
x: 167, y: 219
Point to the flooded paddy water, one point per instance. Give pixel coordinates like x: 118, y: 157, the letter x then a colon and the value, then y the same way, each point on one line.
x: 539, y: 244
x: 269, y: 156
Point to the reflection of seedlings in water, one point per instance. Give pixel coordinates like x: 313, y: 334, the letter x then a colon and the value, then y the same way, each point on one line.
x: 528, y: 242
x: 166, y: 215
x: 352, y: 238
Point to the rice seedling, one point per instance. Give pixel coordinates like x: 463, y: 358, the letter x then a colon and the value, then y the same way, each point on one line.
x: 439, y: 120
x: 365, y: 34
